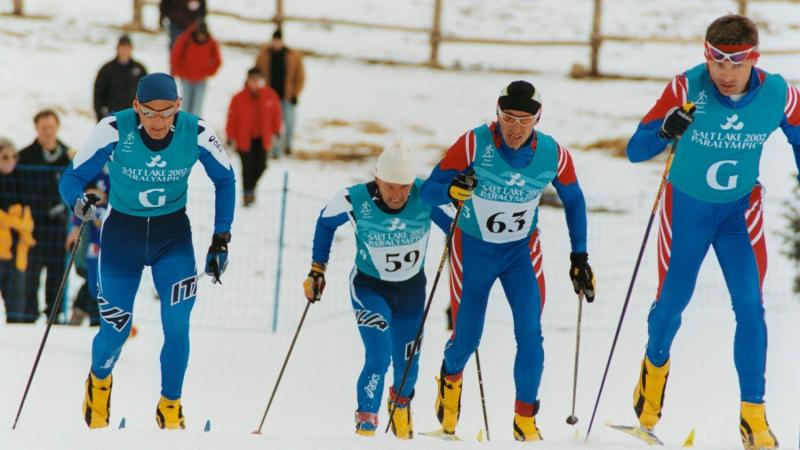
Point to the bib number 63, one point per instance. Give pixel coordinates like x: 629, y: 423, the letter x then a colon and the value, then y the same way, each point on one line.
x: 499, y: 222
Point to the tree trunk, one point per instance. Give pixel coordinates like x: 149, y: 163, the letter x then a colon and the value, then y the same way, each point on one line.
x: 17, y: 7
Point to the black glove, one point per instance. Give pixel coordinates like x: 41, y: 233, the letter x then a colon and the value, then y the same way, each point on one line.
x: 217, y: 258
x: 84, y: 208
x: 462, y: 185
x: 315, y: 282
x: 676, y: 122
x: 581, y: 275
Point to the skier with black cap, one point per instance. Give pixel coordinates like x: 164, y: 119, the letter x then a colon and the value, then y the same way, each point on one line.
x: 497, y: 238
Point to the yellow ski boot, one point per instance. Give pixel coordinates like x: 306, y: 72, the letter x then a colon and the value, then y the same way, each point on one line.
x: 648, y: 397
x: 169, y: 414
x: 525, y: 428
x: 366, y: 423
x: 448, y: 400
x: 97, y: 401
x: 754, y: 428
x: 401, y: 423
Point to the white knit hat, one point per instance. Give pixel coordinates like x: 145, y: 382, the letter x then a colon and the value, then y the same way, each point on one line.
x: 396, y: 164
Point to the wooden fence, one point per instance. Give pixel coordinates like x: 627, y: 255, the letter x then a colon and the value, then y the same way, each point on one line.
x: 437, y: 37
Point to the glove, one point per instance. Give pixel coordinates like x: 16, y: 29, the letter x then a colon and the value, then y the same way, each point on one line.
x: 84, y: 206
x: 315, y: 283
x: 217, y: 258
x: 676, y: 122
x: 581, y: 275
x: 462, y: 186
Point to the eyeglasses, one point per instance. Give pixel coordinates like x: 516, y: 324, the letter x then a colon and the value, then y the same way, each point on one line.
x: 165, y: 113
x: 510, y: 120
x: 739, y: 57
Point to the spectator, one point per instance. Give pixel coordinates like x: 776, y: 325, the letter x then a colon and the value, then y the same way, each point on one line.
x: 115, y: 85
x: 254, y: 120
x: 180, y: 14
x: 195, y: 57
x: 85, y: 304
x: 282, y: 67
x: 40, y: 166
x: 16, y: 235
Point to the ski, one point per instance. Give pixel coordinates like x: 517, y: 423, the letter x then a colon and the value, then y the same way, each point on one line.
x: 640, y: 433
x: 441, y: 435
x: 123, y: 424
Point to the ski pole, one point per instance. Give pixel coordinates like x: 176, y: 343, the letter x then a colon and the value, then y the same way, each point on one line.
x: 572, y: 419
x: 91, y: 200
x: 418, y: 338
x: 483, y: 397
x: 689, y: 108
x: 280, y: 375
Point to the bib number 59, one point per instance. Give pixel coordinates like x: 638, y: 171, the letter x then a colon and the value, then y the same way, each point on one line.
x: 394, y: 261
x: 496, y: 223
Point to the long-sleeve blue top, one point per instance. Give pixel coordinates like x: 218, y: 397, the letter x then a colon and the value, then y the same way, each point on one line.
x: 458, y: 158
x: 339, y: 211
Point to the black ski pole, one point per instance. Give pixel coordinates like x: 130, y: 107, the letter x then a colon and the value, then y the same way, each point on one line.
x: 91, y: 200
x: 417, y: 339
x: 280, y: 375
x: 573, y: 419
x: 689, y: 108
x: 483, y: 396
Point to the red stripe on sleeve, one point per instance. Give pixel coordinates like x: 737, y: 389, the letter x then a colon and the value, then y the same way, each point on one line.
x: 461, y: 154
x: 674, y: 95
x: 566, y: 168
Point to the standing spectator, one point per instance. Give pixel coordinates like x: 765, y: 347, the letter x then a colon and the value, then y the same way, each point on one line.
x: 254, y: 117
x: 115, y: 85
x: 282, y: 67
x: 180, y: 14
x: 50, y: 157
x: 86, y: 256
x: 16, y: 235
x: 195, y: 57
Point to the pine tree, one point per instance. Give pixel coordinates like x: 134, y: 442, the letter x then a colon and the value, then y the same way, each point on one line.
x: 792, y: 236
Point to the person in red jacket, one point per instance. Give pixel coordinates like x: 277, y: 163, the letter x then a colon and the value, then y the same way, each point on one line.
x: 195, y: 57
x: 254, y: 117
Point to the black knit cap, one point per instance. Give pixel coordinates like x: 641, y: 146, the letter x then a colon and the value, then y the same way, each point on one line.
x: 521, y: 96
x: 124, y: 40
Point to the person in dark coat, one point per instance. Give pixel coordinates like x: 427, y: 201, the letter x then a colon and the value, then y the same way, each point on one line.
x: 180, y: 14
x: 115, y: 85
x: 40, y: 166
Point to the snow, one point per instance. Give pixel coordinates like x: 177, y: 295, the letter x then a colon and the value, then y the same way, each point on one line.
x: 235, y: 357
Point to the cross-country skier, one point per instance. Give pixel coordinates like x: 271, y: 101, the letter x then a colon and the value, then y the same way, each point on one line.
x: 713, y: 198
x: 387, y: 284
x: 150, y: 150
x: 498, y: 238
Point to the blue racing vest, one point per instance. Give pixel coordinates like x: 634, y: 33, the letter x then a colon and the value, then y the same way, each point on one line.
x: 151, y: 183
x: 390, y: 247
x: 718, y: 156
x: 504, y: 206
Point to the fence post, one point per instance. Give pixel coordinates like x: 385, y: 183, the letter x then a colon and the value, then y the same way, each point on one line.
x: 436, y: 33
x: 278, y: 13
x: 136, y: 24
x: 596, y: 38
x: 17, y: 7
x: 742, y: 7
x: 284, y: 194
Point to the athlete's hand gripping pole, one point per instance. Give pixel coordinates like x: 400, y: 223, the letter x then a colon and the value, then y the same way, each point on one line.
x: 689, y: 109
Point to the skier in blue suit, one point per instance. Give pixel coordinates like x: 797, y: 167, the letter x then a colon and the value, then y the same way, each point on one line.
x: 713, y: 198
x: 150, y: 150
x: 387, y: 284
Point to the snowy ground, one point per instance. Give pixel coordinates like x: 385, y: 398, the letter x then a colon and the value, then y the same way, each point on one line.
x: 235, y: 360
